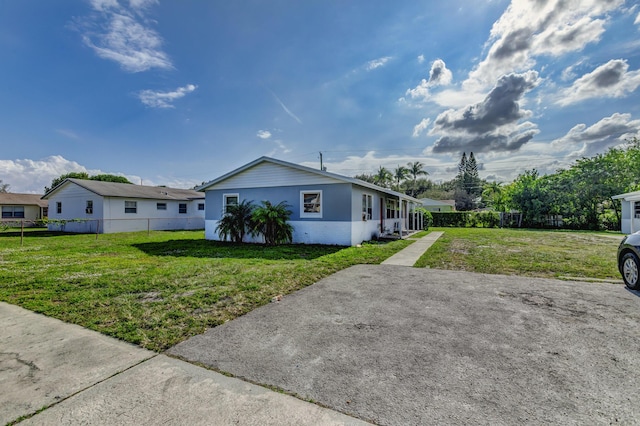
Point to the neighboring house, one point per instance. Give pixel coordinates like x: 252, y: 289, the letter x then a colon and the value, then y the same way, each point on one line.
x: 327, y: 208
x: 438, y: 205
x: 27, y: 207
x: 78, y: 205
x: 630, y: 218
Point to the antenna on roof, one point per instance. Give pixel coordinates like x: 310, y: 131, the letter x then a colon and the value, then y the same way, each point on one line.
x: 321, y: 168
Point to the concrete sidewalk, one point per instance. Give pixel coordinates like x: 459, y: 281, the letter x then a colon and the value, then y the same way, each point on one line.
x: 411, y: 254
x: 70, y: 375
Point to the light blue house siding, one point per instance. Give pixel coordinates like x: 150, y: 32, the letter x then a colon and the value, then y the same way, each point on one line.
x: 340, y: 223
x: 348, y: 211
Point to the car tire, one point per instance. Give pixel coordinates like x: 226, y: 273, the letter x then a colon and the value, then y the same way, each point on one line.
x: 630, y: 269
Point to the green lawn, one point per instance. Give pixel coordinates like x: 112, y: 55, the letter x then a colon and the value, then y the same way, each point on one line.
x: 157, y: 290
x: 534, y: 253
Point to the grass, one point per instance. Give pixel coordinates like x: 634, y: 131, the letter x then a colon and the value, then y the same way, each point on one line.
x: 533, y: 253
x: 159, y: 289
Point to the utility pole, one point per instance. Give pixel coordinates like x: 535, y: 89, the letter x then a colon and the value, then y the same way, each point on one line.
x: 321, y: 167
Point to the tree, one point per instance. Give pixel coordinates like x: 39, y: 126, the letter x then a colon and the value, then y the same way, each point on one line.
x: 271, y: 221
x: 415, y: 169
x: 4, y: 187
x: 399, y: 174
x: 366, y: 177
x: 493, y: 195
x: 383, y: 177
x: 84, y: 175
x: 110, y: 178
x: 236, y: 221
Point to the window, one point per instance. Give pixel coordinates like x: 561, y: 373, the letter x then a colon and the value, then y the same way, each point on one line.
x: 230, y: 200
x: 131, y: 207
x: 59, y: 207
x: 367, y: 207
x: 392, y: 209
x: 201, y: 206
x: 12, y: 212
x: 182, y: 208
x: 161, y: 206
x: 637, y: 209
x: 311, y: 204
x: 89, y: 207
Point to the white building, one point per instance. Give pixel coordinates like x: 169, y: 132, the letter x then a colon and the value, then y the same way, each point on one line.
x: 78, y: 205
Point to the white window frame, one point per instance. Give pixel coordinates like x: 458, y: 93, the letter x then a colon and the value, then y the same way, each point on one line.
x: 201, y: 207
x: 186, y: 208
x: 161, y: 206
x: 225, y: 203
x: 89, y: 207
x: 367, y: 206
x: 58, y: 207
x: 133, y: 205
x: 305, y: 214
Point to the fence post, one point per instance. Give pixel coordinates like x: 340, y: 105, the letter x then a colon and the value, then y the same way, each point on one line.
x: 148, y: 226
x: 97, y: 227
x: 21, y: 232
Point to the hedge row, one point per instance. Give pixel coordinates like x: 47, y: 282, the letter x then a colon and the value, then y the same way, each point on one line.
x: 466, y: 219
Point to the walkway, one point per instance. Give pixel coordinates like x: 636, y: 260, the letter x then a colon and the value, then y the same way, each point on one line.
x: 410, y: 255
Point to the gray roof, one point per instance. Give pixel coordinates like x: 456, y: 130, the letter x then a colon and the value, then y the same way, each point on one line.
x: 432, y: 202
x: 628, y: 196
x: 128, y: 190
x: 310, y: 170
x: 7, y: 198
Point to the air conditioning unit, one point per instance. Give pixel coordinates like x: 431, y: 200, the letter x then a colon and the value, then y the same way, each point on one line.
x: 88, y: 210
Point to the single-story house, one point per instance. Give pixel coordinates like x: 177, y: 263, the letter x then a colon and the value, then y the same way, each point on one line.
x: 630, y: 218
x: 438, y: 205
x: 78, y: 205
x: 19, y: 207
x: 327, y: 208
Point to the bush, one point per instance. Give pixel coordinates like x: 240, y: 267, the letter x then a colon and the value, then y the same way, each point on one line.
x: 466, y: 219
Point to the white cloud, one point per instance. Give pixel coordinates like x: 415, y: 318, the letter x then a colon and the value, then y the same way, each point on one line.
x: 31, y: 176
x: 637, y: 21
x: 377, y: 63
x: 421, y: 127
x: 420, y: 59
x: 439, y: 75
x: 587, y: 141
x: 122, y: 34
x: 263, y: 134
x: 611, y: 80
x: 528, y: 29
x: 156, y: 99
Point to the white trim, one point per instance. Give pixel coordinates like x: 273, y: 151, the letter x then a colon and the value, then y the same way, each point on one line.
x: 367, y: 207
x: 224, y: 200
x: 311, y: 215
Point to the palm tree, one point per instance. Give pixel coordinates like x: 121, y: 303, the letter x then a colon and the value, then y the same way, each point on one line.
x: 493, y: 194
x: 271, y: 221
x: 383, y: 177
x: 416, y: 169
x: 399, y: 174
x: 236, y: 221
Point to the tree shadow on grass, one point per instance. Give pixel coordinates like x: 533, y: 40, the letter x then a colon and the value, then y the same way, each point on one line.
x: 221, y: 250
x: 30, y: 232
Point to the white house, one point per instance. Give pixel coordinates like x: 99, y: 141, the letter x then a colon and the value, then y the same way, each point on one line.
x: 22, y: 207
x: 327, y: 208
x: 630, y: 218
x: 78, y: 205
x: 438, y: 205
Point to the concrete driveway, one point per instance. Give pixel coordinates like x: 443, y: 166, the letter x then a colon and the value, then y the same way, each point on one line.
x: 396, y: 345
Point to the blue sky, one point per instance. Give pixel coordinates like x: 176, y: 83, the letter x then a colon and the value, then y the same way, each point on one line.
x: 175, y: 93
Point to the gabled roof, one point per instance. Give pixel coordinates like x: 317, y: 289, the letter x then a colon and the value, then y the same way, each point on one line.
x: 7, y: 198
x: 128, y: 190
x: 629, y: 196
x: 308, y: 170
